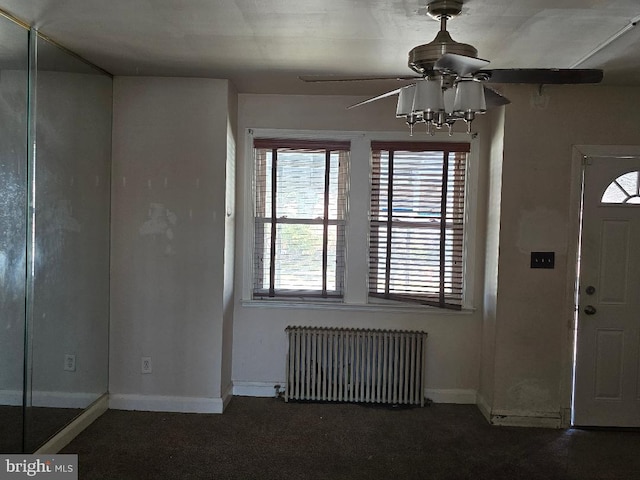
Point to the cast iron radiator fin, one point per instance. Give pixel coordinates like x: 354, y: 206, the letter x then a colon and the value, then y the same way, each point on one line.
x: 356, y: 365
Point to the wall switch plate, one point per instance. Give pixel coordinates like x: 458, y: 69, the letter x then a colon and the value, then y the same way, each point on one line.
x: 69, y: 362
x: 543, y: 259
x: 145, y: 365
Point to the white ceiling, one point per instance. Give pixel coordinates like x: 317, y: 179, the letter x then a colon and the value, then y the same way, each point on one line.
x: 263, y: 45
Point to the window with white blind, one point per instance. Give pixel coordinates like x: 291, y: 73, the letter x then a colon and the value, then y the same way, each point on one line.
x: 416, y: 233
x: 300, y: 205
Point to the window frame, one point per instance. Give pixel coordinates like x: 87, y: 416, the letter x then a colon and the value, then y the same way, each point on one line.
x: 322, y: 146
x: 356, y: 296
x: 396, y: 225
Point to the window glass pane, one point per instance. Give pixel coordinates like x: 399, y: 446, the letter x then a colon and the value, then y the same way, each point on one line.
x: 337, y: 183
x: 624, y: 189
x: 300, y: 184
x: 629, y: 183
x: 262, y: 255
x: 380, y: 187
x: 299, y: 257
x: 417, y: 189
x: 415, y: 259
x: 262, y: 184
x: 267, y: 183
x: 614, y: 194
x: 332, y: 258
x: 377, y: 257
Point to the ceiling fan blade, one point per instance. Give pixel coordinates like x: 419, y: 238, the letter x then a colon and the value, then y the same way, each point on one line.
x: 546, y: 76
x: 338, y: 78
x: 379, y: 97
x: 494, y: 99
x: 460, y: 64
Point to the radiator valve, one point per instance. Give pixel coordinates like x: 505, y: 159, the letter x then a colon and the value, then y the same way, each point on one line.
x: 279, y: 391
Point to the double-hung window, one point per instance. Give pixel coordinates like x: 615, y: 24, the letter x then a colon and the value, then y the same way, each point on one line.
x: 299, y: 218
x: 416, y: 233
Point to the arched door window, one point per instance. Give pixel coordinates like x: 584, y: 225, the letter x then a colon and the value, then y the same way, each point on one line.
x: 624, y: 189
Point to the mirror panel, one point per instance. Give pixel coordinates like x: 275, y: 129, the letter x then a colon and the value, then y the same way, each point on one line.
x: 69, y: 289
x: 14, y: 41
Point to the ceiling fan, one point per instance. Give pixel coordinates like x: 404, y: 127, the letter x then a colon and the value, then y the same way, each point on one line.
x: 451, y: 79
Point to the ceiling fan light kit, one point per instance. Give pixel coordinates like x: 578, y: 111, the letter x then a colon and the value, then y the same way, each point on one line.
x: 469, y: 99
x: 406, y: 97
x: 427, y: 101
x: 452, y: 80
x: 428, y: 96
x: 453, y: 88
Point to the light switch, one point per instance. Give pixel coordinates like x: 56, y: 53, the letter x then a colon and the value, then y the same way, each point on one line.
x: 543, y: 259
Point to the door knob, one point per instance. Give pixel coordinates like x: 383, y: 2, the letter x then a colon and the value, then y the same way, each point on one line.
x: 589, y: 309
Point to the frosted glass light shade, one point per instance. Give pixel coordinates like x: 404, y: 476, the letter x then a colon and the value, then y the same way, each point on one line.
x: 428, y: 96
x: 470, y: 97
x: 405, y: 101
x: 449, y: 99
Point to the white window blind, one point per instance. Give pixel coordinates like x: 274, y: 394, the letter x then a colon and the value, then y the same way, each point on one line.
x: 300, y: 204
x: 417, y: 222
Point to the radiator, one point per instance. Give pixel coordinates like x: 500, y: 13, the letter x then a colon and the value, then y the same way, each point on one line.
x: 356, y: 365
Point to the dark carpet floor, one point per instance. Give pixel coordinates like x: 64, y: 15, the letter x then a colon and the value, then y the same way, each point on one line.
x: 258, y: 438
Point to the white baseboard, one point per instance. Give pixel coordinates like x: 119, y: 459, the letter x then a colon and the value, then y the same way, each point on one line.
x: 159, y: 403
x: 50, y: 399
x: 566, y: 417
x: 73, y: 429
x: 267, y: 389
x: 227, y: 395
x: 451, y: 395
x: 11, y: 398
x: 484, y: 408
x: 63, y: 399
x: 256, y: 389
x: 508, y: 418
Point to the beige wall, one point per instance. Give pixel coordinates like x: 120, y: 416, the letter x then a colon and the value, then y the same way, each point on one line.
x: 170, y: 162
x: 533, y: 332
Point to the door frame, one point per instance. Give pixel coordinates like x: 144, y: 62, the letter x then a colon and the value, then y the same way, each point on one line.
x: 580, y: 152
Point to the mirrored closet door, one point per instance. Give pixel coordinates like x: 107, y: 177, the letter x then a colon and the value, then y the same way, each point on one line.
x: 14, y: 76
x: 55, y: 162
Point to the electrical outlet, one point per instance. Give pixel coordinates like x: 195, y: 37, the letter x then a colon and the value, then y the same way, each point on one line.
x: 69, y: 362
x: 146, y: 366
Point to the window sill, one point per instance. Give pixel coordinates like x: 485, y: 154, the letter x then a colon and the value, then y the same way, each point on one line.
x: 363, y: 307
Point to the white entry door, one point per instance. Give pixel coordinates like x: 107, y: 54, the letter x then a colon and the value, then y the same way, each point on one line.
x: 607, y: 375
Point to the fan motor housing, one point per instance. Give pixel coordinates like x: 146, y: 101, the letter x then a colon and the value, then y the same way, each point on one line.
x: 444, y: 8
x: 423, y: 57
